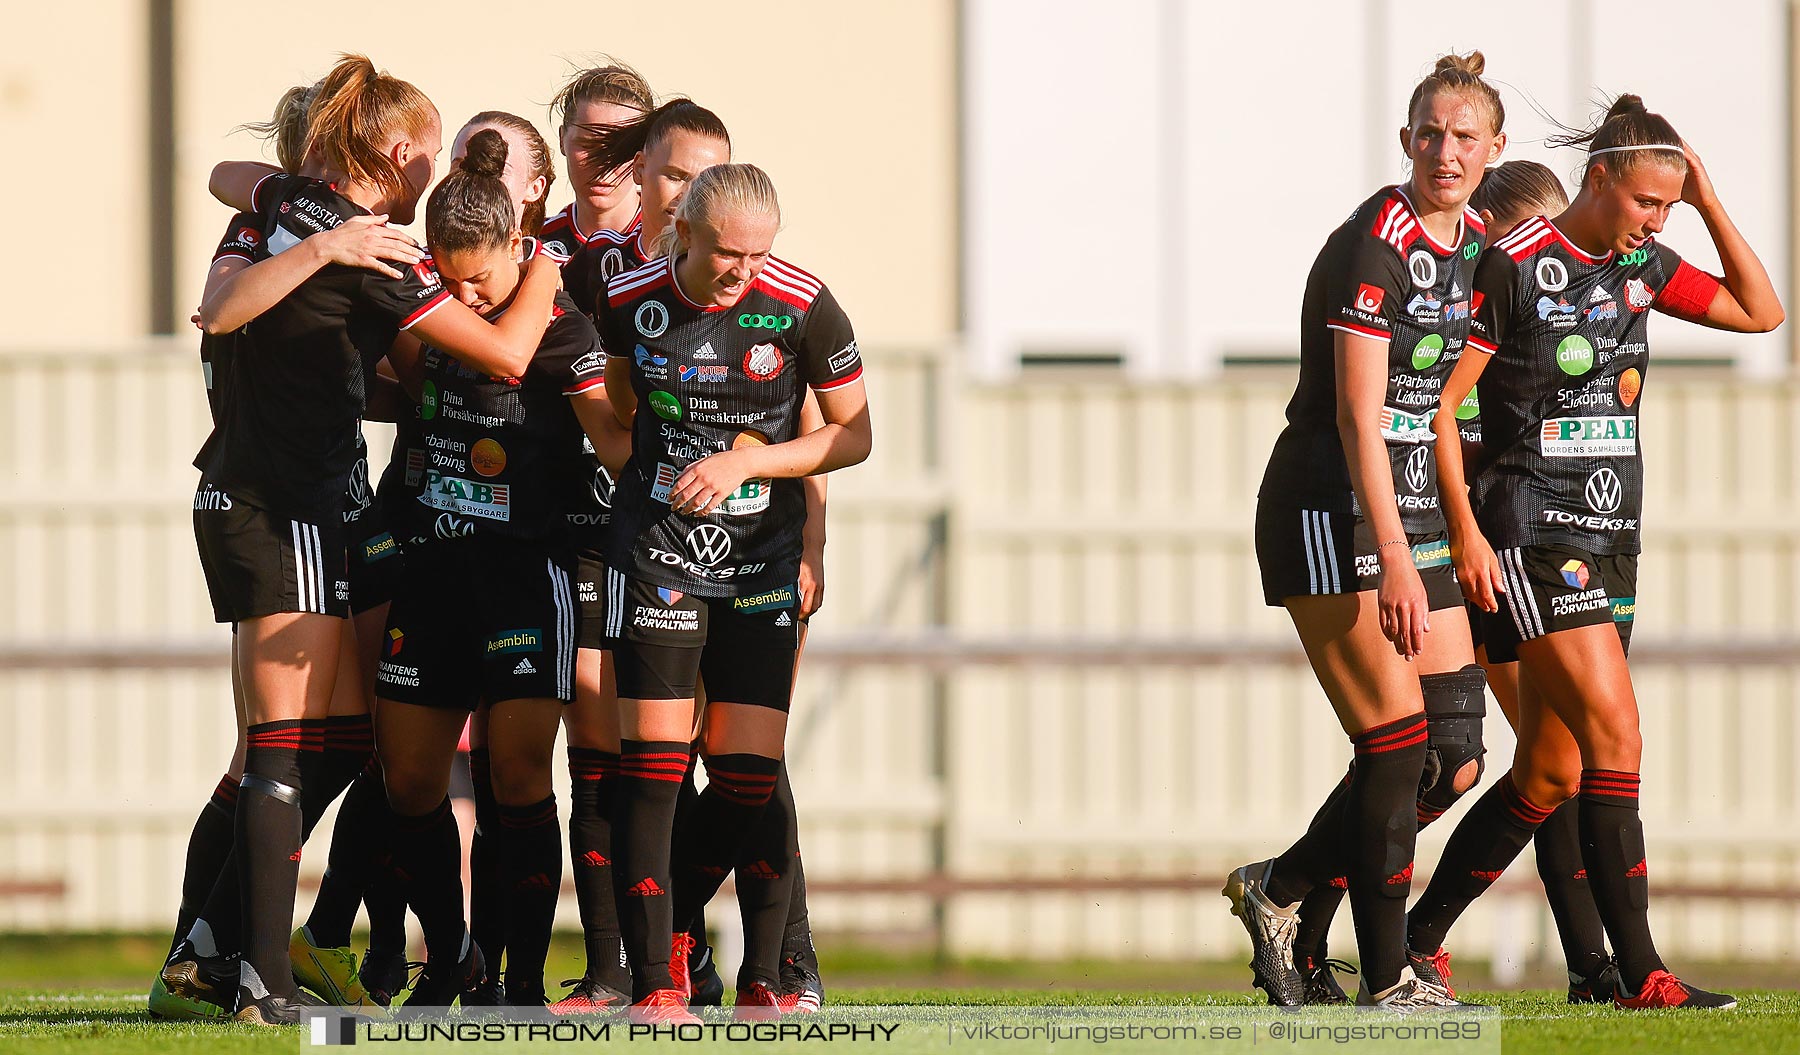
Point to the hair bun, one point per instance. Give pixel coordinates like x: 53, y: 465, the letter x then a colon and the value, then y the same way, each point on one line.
x: 1472, y: 63
x: 486, y: 154
x: 1626, y: 104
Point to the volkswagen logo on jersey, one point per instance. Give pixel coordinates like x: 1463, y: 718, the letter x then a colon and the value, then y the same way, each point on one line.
x: 448, y: 527
x: 603, y: 486
x: 652, y: 318
x: 1552, y: 276
x: 1417, y: 476
x: 1422, y: 266
x: 709, y: 544
x: 1604, y: 492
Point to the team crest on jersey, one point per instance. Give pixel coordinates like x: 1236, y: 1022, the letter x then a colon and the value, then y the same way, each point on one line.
x: 651, y: 318
x: 1638, y: 295
x: 1422, y: 266
x: 763, y: 362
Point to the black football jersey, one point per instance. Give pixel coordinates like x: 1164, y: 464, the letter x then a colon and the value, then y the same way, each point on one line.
x: 495, y: 456
x: 603, y: 258
x: 1379, y: 276
x: 606, y: 256
x: 242, y: 236
x: 709, y: 379
x: 1559, y: 401
x: 289, y: 417
x: 562, y: 239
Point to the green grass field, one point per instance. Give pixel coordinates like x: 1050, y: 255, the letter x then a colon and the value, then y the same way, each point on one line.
x: 86, y: 994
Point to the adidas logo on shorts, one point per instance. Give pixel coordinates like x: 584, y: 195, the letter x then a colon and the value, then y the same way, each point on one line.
x: 784, y: 620
x: 524, y: 666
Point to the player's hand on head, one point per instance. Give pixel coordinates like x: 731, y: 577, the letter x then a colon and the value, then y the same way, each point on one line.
x: 368, y: 242
x: 1697, y: 188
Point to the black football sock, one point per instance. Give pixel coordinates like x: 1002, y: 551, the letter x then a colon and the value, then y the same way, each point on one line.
x: 593, y: 778
x: 487, y: 899
x: 428, y: 861
x: 1489, y: 838
x: 267, y: 848
x: 1317, y: 909
x: 684, y: 812
x: 1318, y: 856
x: 1380, y: 832
x: 766, y: 868
x: 531, y: 853
x: 384, y: 899
x: 1559, y: 864
x: 209, y: 847
x: 1612, y: 844
x: 649, y: 781
x: 358, y: 840
x: 737, y: 792
x: 1320, y: 905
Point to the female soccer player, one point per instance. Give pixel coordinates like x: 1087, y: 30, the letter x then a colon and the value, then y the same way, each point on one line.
x: 485, y: 615
x: 365, y: 243
x: 284, y: 450
x: 1551, y: 528
x: 661, y: 151
x: 1508, y: 195
x: 706, y: 532
x: 1350, y: 539
x: 320, y: 949
x: 588, y: 107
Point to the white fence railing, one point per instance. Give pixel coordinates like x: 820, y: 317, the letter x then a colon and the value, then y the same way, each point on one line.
x: 1045, y: 708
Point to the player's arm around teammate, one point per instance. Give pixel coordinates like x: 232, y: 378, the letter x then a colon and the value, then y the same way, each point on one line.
x: 284, y: 451
x: 485, y: 614
x: 1350, y: 540
x: 1549, y: 541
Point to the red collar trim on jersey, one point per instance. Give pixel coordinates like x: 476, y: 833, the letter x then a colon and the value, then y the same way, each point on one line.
x: 1573, y: 248
x: 1400, y: 188
x: 675, y: 283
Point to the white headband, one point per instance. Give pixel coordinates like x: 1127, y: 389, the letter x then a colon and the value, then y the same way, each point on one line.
x: 1646, y: 146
